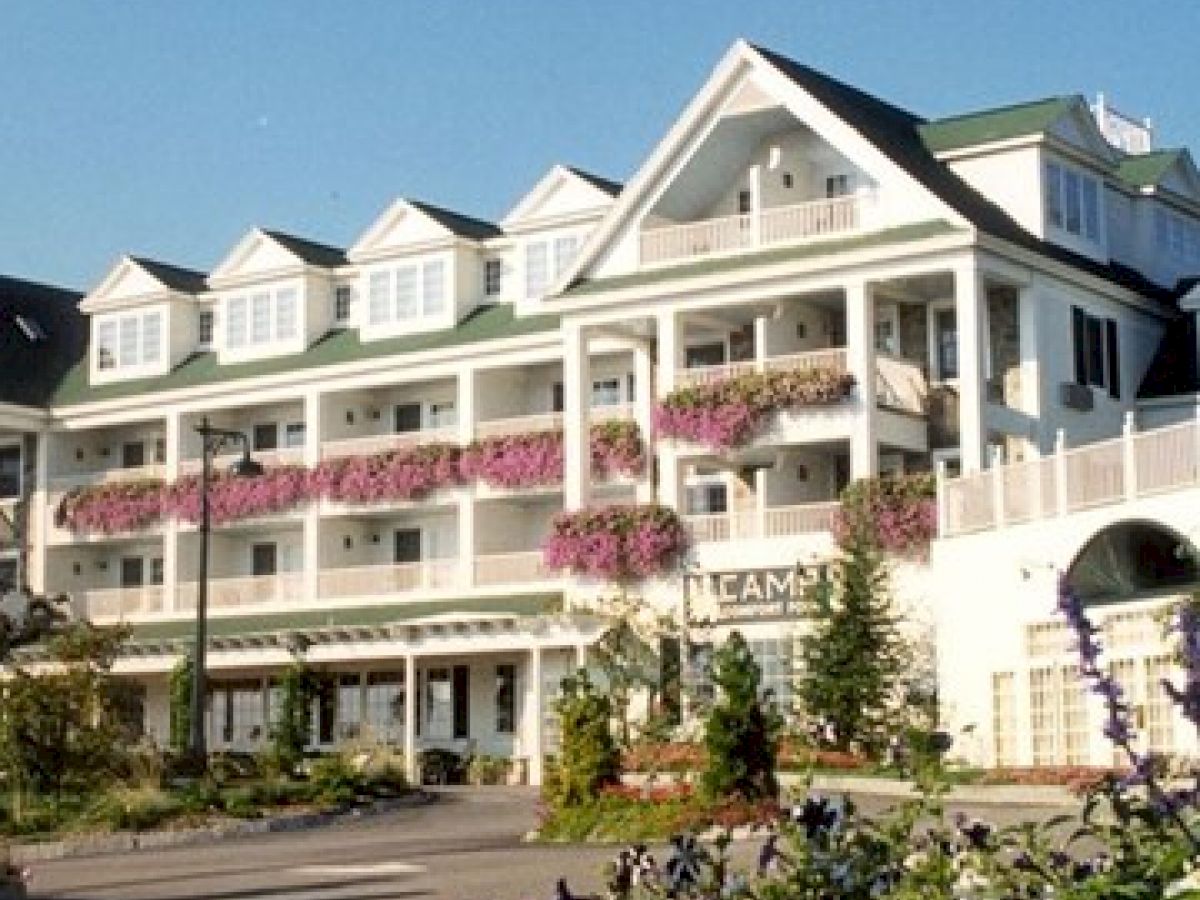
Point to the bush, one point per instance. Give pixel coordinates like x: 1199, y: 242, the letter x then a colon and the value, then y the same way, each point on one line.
x: 334, y: 781
x: 132, y: 809
x: 589, y: 758
x: 484, y: 769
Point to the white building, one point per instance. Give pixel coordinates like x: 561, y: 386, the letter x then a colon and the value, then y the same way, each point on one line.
x: 997, y: 284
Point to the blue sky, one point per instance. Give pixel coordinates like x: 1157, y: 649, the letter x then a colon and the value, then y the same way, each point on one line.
x: 169, y: 129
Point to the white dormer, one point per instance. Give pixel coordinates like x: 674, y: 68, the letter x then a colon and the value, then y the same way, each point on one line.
x: 143, y: 319
x: 546, y: 228
x: 274, y: 295
x: 420, y: 268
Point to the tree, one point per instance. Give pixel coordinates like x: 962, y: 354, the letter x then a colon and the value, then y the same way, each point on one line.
x: 854, y: 657
x: 181, y: 703
x: 64, y: 727
x: 589, y: 757
x: 29, y: 619
x: 291, y: 729
x: 741, y: 733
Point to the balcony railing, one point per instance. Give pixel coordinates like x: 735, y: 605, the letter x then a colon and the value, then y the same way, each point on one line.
x: 551, y: 421
x: 68, y: 480
x: 282, y: 456
x: 1099, y: 474
x: 777, y: 521
x: 379, y: 443
x: 246, y: 591
x: 120, y: 603
x: 828, y: 358
x: 511, y: 568
x: 802, y: 221
x: 396, y: 578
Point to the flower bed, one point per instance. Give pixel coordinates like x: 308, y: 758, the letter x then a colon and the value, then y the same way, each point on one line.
x: 617, y: 448
x: 727, y: 413
x: 538, y: 458
x: 682, y: 757
x: 616, y: 543
x: 407, y: 474
x: 622, y: 815
x: 230, y: 498
x: 899, y: 513
x: 112, y: 508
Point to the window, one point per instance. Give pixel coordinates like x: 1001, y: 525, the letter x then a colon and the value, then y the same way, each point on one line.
x: 10, y: 471
x: 774, y: 658
x: 204, y: 329
x: 266, y: 436
x: 493, y: 275
x: 558, y: 397
x: 945, y: 327
x: 406, y: 417
x: 442, y: 415
x: 406, y: 545
x: 133, y: 454
x: 1072, y: 201
x: 565, y: 249
x: 506, y: 698
x: 606, y: 392
x: 433, y: 288
x: 156, y: 570
x: 787, y: 180
x: 1177, y: 237
x: 262, y: 318
x: 385, y: 705
x: 160, y: 450
x: 837, y: 186
x: 264, y: 559
x: 131, y: 572
x: 1096, y: 352
x: 707, y: 499
x: 704, y: 355
x: 341, y: 303
x: 407, y: 292
x: 8, y: 575
x: 129, y: 340
x: 293, y: 434
x: 537, y: 269
x: 379, y: 298
x: 349, y: 705
x: 745, y: 202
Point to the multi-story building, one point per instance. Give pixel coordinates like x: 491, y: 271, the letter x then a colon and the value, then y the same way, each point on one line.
x: 998, y: 284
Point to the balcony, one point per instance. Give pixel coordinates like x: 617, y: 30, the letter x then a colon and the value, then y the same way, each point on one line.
x: 778, y: 521
x: 225, y: 593
x: 381, y: 443
x: 393, y: 578
x: 67, y: 480
x: 120, y: 603
x: 551, y: 421
x: 769, y: 227
x: 512, y: 568
x: 283, y: 456
x: 831, y: 358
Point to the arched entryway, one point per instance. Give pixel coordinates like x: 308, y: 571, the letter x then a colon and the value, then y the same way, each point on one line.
x: 1134, y: 559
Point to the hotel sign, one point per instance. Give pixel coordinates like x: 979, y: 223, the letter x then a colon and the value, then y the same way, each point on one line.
x: 748, y: 593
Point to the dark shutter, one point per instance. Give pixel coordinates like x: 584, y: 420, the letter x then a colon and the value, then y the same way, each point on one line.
x: 1114, y: 360
x: 1079, y: 335
x: 462, y: 703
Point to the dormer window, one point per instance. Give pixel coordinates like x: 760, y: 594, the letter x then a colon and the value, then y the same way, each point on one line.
x: 261, y: 318
x: 1072, y: 202
x: 537, y: 263
x: 128, y: 341
x: 204, y: 330
x: 407, y: 293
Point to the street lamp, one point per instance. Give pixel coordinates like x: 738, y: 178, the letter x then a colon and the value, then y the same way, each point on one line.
x: 213, y: 440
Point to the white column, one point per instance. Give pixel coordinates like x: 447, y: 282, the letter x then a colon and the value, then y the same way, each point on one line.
x: 465, y: 406
x: 311, y: 561
x: 410, y: 719
x: 643, y: 413
x: 969, y: 311
x: 760, y: 342
x: 1128, y: 456
x: 860, y: 352
x: 172, y: 438
x: 466, y: 540
x: 670, y: 479
x: 581, y: 656
x: 532, y: 726
x: 577, y: 395
x: 312, y: 427
x: 1033, y: 391
x: 671, y: 348
x: 1060, y: 472
x: 37, y: 522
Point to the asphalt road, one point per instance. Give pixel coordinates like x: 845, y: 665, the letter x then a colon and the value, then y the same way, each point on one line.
x: 465, y: 846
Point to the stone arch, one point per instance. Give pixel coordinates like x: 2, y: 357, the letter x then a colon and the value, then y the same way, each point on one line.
x: 1132, y: 559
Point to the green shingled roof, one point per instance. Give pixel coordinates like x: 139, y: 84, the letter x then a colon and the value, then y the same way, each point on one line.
x: 487, y: 323
x: 348, y: 617
x: 1147, y: 169
x: 999, y: 124
x: 714, y: 265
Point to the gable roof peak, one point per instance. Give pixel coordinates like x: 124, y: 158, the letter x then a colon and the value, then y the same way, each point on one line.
x: 177, y: 278
x: 312, y: 252
x: 457, y: 223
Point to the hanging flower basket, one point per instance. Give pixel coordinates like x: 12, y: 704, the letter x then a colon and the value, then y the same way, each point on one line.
x: 112, y: 508
x: 407, y: 474
x: 276, y: 490
x: 617, y: 543
x: 898, y: 513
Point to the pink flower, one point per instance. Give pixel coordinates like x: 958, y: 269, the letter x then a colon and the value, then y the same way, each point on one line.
x: 616, y: 543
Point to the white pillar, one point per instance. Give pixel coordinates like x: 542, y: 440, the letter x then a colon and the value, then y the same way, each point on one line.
x: 969, y: 311
x: 312, y: 427
x: 465, y: 405
x: 38, y: 520
x: 532, y: 725
x: 311, y: 555
x: 466, y: 539
x: 1033, y: 391
x: 860, y: 351
x: 1060, y: 472
x: 1128, y: 457
x: 577, y: 391
x: 410, y: 719
x: 581, y: 656
x: 670, y: 479
x: 643, y: 413
x: 670, y: 350
x: 760, y: 342
x: 173, y: 444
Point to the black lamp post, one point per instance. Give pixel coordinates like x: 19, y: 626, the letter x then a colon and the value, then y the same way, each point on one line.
x: 213, y: 440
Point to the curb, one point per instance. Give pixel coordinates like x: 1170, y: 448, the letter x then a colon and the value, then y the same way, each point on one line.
x: 133, y: 841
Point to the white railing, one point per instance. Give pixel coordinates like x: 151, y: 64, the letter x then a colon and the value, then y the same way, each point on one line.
x: 397, y: 578
x: 511, y: 568
x: 379, y: 443
x: 519, y: 425
x: 120, y: 603
x: 900, y: 384
x: 777, y: 521
x: 247, y: 591
x: 828, y: 358
x: 1107, y: 472
x: 801, y: 221
x: 283, y: 456
x: 608, y: 412
x: 69, y: 480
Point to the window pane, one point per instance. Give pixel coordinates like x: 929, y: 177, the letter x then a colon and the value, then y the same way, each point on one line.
x: 129, y: 341
x: 1054, y: 202
x: 341, y: 303
x: 506, y: 698
x: 564, y: 253
x: 434, y: 288
x: 205, y: 335
x: 293, y: 436
x: 235, y: 325
x: 106, y: 345
x: 131, y: 571
x: 152, y: 338
x: 285, y: 314
x: 379, y: 301
x: 492, y: 272
x: 1091, y: 209
x: 260, y: 319
x: 1071, y: 201
x: 536, y: 269
x: 406, y: 293
x: 266, y: 436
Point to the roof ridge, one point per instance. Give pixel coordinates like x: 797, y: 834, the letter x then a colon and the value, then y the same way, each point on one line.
x: 1004, y: 108
x: 608, y: 185
x: 287, y: 235
x: 147, y: 260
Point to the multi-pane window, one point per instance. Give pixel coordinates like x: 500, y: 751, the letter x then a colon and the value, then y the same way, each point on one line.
x: 266, y: 436
x: 8, y: 575
x: 565, y: 249
x: 1043, y: 721
x: 342, y: 296
x: 707, y: 499
x: 262, y: 318
x: 506, y: 698
x: 293, y: 434
x: 407, y: 292
x: 1004, y: 718
x: 1176, y: 236
x: 129, y: 341
x: 837, y: 186
x: 493, y: 274
x: 385, y: 705
x: 1072, y: 201
x: 204, y: 330
x: 777, y: 676
x: 1097, y: 361
x: 606, y: 391
x: 537, y: 269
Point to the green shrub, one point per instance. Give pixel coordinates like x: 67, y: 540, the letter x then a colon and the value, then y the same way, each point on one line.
x: 132, y: 809
x: 589, y: 758
x: 334, y: 780
x: 484, y: 769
